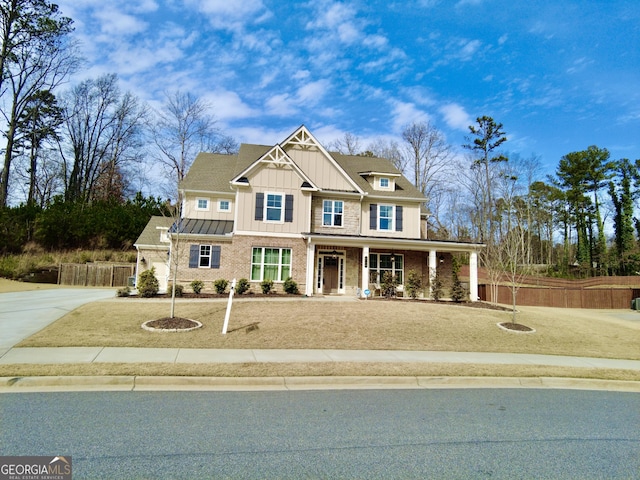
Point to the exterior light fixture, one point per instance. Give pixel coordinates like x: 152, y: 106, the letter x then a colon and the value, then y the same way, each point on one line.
x: 334, y: 254
x: 441, y: 258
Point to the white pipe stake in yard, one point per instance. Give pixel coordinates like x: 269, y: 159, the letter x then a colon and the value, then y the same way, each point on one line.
x: 228, y: 313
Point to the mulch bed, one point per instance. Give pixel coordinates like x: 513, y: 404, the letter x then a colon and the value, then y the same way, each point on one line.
x: 175, y: 323
x: 516, y: 326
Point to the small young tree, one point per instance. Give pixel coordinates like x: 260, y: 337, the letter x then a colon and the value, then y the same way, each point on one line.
x: 458, y: 292
x: 413, y: 284
x: 436, y: 287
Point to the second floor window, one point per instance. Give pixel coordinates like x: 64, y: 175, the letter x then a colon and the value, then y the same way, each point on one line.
x: 332, y: 213
x: 384, y: 182
x: 273, y: 207
x: 203, y: 204
x: 224, y: 206
x: 385, y: 217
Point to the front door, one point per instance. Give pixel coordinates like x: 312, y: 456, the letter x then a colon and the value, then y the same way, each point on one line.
x: 330, y: 276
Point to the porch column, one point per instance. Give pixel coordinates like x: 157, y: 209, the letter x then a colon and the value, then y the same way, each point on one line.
x: 308, y: 288
x: 473, y: 276
x: 365, y: 270
x: 432, y: 270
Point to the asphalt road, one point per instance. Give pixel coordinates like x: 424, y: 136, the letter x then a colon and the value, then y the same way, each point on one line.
x: 24, y: 313
x: 330, y: 434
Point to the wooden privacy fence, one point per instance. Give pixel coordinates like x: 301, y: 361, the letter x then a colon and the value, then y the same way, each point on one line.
x: 96, y: 274
x: 564, y: 297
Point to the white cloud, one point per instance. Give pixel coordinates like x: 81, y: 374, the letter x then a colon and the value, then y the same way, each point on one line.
x: 231, y: 15
x: 403, y: 114
x: 228, y: 105
x: 455, y: 116
x: 114, y: 22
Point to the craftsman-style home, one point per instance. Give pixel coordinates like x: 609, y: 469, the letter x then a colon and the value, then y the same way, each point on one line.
x: 333, y: 223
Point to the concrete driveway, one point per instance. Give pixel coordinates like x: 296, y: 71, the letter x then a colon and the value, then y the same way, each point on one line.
x: 24, y: 313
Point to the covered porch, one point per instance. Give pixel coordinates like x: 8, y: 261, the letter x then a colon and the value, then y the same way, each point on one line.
x: 354, y: 265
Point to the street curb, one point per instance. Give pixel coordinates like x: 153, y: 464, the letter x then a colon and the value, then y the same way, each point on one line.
x: 157, y: 383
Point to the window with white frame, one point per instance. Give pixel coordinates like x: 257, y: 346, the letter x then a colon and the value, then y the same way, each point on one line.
x: 202, y: 204
x: 384, y: 182
x: 332, y: 211
x: 385, y: 217
x: 379, y: 263
x: 270, y: 264
x: 224, y: 205
x: 273, y: 207
x: 205, y: 256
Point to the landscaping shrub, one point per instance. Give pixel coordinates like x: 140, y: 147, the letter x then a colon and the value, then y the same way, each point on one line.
x: 179, y: 289
x: 197, y: 286
x: 389, y: 284
x: 123, y: 292
x: 458, y: 292
x: 220, y: 285
x: 413, y: 284
x: 436, y: 287
x: 148, y: 285
x: 290, y: 286
x: 242, y: 286
x: 266, y: 286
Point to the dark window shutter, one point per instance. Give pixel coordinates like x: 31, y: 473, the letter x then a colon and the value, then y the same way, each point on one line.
x: 398, y: 218
x: 259, y: 206
x: 288, y: 208
x: 194, y: 255
x: 373, y: 216
x: 215, y: 256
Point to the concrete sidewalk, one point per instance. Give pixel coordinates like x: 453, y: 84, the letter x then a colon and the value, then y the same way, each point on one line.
x: 84, y: 355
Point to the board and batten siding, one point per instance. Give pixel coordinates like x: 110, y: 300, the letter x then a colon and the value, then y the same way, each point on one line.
x: 410, y: 220
x: 271, y: 179
x: 191, y: 210
x: 319, y: 169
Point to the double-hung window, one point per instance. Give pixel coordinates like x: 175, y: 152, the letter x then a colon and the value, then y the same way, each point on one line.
x: 270, y: 264
x: 380, y: 263
x: 332, y: 213
x: 205, y: 256
x: 385, y: 217
x: 273, y: 211
x: 202, y: 204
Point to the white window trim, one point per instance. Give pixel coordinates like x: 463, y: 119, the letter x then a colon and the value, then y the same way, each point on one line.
x: 220, y: 209
x: 266, y: 203
x: 392, y: 227
x: 333, y: 214
x: 393, y: 267
x: 205, y: 209
x: 280, y: 264
x: 200, y: 256
x: 389, y: 185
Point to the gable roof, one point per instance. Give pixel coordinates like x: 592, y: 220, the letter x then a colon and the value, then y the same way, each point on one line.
x: 213, y: 172
x: 276, y: 156
x: 358, y: 167
x: 150, y: 236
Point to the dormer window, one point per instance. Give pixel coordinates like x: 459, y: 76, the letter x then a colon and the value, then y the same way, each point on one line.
x: 384, y: 182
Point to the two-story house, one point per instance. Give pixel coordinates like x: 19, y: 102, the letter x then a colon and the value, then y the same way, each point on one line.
x: 334, y: 223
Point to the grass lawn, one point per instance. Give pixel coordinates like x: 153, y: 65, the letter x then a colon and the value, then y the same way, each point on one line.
x: 329, y: 324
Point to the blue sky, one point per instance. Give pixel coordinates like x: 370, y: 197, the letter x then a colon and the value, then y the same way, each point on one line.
x: 559, y: 75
